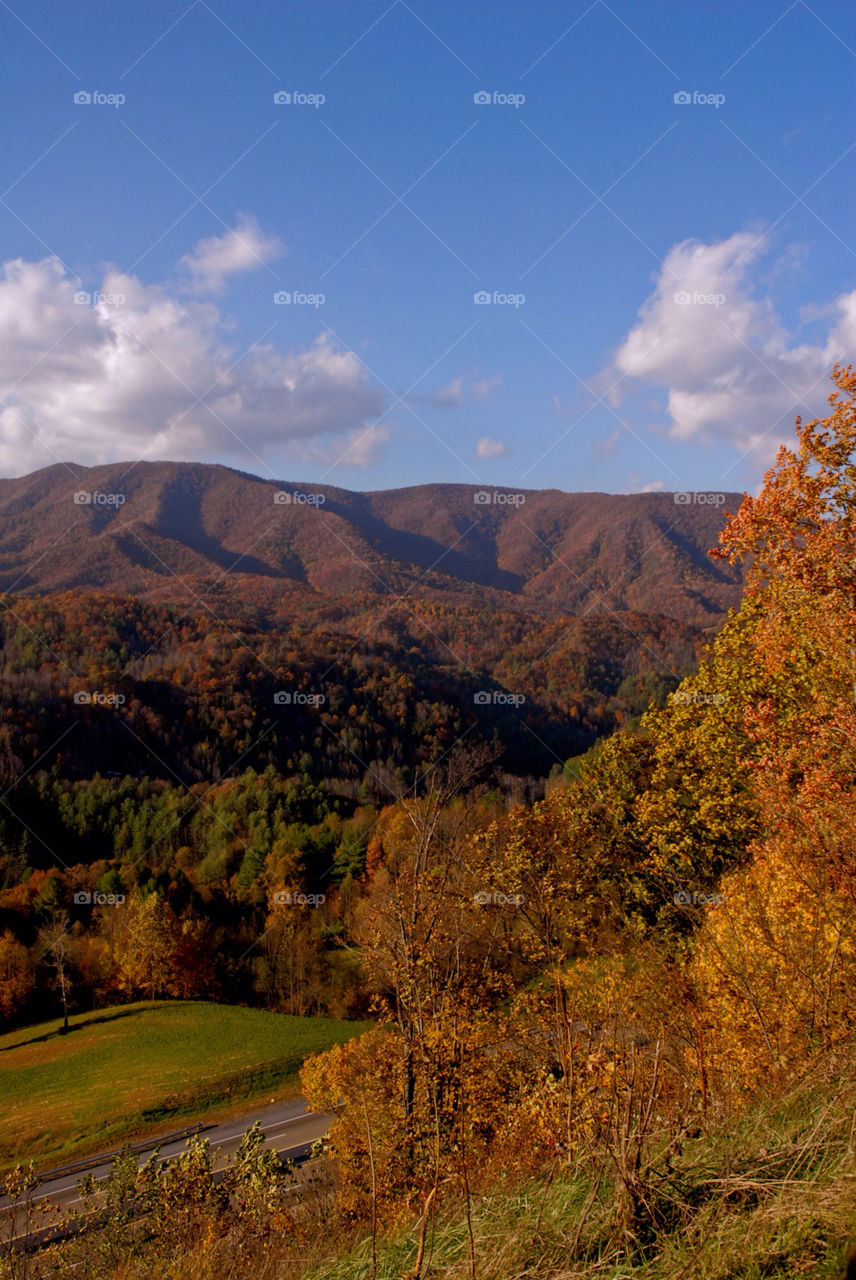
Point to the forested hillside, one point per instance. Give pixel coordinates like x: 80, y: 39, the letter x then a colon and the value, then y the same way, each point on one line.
x: 618, y: 1017
x: 205, y: 754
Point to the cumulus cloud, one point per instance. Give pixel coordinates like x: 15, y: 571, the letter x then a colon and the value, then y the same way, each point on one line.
x: 134, y: 370
x: 731, y: 368
x: 487, y: 448
x: 243, y: 247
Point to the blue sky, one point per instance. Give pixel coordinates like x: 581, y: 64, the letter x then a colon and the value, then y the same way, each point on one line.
x: 669, y: 281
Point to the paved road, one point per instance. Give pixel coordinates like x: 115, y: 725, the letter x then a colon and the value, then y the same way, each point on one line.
x: 287, y: 1127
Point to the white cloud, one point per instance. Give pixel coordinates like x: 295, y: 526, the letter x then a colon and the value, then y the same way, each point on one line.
x: 635, y: 484
x: 144, y: 373
x: 448, y: 397
x: 244, y: 247
x: 364, y: 446
x: 487, y: 448
x: 360, y: 448
x: 731, y: 368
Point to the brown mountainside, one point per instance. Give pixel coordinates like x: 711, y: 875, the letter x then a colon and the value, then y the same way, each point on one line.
x: 160, y: 530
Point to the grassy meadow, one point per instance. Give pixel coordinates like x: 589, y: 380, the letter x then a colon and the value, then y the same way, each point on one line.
x: 141, y: 1068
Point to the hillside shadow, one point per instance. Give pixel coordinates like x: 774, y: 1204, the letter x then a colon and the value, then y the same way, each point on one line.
x: 59, y: 1034
x: 426, y: 553
x: 717, y: 570
x: 19, y: 583
x: 180, y: 518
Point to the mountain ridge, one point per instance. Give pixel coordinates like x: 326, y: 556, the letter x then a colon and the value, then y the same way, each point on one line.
x: 164, y: 530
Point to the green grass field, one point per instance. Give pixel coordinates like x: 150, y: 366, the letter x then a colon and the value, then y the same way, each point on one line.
x: 144, y: 1068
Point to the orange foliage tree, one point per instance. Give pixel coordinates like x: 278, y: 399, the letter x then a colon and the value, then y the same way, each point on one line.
x: 777, y: 958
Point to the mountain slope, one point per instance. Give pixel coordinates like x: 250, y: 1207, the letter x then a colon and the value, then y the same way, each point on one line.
x: 170, y: 531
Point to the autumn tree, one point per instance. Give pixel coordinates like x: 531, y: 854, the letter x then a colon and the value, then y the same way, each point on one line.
x: 293, y: 968
x: 144, y: 945
x: 17, y: 978
x: 800, y: 536
x: 430, y: 931
x: 776, y: 960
